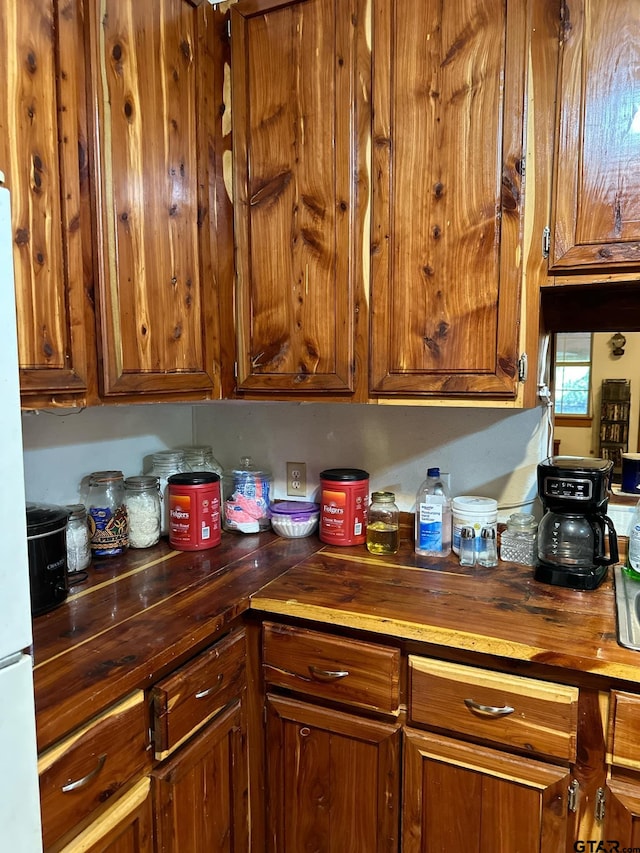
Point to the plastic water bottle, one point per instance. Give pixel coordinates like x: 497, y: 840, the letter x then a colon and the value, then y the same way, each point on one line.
x: 632, y: 567
x: 433, y: 517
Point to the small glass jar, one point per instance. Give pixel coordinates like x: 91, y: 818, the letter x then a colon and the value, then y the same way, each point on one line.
x: 383, y: 529
x: 107, y: 514
x: 164, y: 464
x: 142, y: 498
x: 518, y: 542
x: 78, y: 545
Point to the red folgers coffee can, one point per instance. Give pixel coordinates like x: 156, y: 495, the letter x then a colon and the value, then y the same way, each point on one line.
x: 194, y: 510
x: 343, y: 506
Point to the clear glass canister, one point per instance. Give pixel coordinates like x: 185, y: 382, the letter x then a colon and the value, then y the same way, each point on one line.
x: 201, y: 458
x: 142, y: 498
x: 78, y: 545
x: 383, y: 529
x: 107, y: 514
x: 518, y: 541
x: 165, y: 463
x: 247, y: 495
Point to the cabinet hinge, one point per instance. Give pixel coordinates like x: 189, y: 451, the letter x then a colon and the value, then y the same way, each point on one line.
x: 228, y: 28
x: 572, y: 803
x: 235, y: 369
x: 546, y: 241
x: 523, y: 367
x: 600, y: 805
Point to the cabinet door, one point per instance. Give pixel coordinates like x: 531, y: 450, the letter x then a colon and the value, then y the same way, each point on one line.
x: 42, y: 155
x: 152, y: 142
x: 464, y: 797
x: 622, y: 814
x: 597, y: 182
x: 125, y: 828
x: 299, y: 73
x: 333, y: 780
x: 448, y: 155
x: 200, y: 795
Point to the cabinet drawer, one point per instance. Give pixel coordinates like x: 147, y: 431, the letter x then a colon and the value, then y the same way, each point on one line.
x: 194, y: 693
x: 625, y: 729
x: 92, y: 764
x: 518, y: 712
x: 330, y: 667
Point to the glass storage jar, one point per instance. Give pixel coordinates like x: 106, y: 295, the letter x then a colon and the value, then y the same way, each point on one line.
x: 518, y: 542
x: 78, y: 544
x: 383, y: 529
x: 165, y: 463
x: 107, y: 514
x: 201, y: 458
x: 142, y: 498
x: 247, y: 495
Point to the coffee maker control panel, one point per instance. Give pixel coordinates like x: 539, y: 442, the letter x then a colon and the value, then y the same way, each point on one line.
x: 571, y: 488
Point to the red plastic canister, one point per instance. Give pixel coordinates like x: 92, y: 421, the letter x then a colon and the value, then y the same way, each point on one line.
x: 194, y: 510
x: 343, y: 506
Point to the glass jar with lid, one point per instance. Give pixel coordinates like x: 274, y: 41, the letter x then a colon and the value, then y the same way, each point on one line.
x: 78, y: 544
x: 165, y: 463
x: 142, y: 498
x: 107, y: 514
x: 382, y: 524
x: 518, y: 543
x: 200, y: 457
x: 247, y: 495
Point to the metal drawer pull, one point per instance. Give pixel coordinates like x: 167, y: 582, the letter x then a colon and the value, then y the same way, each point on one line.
x: 327, y: 674
x: 490, y: 710
x: 201, y: 694
x: 80, y: 783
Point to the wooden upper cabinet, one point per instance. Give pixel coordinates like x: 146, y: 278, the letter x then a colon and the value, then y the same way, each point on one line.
x: 300, y: 124
x: 596, y: 217
x: 43, y: 157
x: 153, y: 121
x: 449, y: 98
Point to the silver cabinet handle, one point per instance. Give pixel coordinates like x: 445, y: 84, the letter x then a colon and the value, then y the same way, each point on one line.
x: 201, y: 694
x: 327, y: 674
x: 490, y: 710
x: 80, y: 783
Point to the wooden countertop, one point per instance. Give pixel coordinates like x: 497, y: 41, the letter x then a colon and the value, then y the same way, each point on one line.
x: 138, y: 617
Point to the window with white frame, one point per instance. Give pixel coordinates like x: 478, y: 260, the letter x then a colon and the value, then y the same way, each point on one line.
x: 573, y: 373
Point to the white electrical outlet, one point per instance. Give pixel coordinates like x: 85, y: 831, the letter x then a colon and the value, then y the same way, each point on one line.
x: 297, y: 479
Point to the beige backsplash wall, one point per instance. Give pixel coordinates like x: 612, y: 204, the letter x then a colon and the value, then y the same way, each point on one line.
x: 486, y: 451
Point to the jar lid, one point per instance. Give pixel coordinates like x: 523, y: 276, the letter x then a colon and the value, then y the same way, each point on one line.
x: 77, y: 512
x: 193, y: 478
x: 383, y: 497
x: 295, y: 510
x: 141, y: 483
x: 522, y: 520
x: 45, y: 518
x: 344, y: 474
x: 247, y: 472
x: 105, y: 476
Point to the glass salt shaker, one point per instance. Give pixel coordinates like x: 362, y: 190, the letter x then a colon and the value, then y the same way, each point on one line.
x: 107, y: 514
x: 78, y: 545
x: 487, y: 552
x: 467, y: 546
x: 142, y: 498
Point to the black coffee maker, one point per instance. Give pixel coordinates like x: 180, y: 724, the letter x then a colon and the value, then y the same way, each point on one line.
x: 571, y: 534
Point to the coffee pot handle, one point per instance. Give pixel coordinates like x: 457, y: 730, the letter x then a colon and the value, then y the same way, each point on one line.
x: 598, y: 530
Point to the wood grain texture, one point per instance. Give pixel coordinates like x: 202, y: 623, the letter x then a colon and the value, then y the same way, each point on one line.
x: 596, y: 207
x: 41, y: 153
x: 150, y: 145
x: 300, y: 192
x: 448, y: 148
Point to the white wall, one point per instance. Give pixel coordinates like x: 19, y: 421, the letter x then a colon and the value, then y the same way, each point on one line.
x: 487, y: 452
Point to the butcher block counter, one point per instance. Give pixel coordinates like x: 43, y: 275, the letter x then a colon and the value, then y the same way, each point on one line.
x: 378, y: 652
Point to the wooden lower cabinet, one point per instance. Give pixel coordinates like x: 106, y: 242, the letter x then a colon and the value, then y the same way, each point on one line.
x: 460, y: 796
x: 200, y: 794
x: 333, y: 780
x: 125, y: 828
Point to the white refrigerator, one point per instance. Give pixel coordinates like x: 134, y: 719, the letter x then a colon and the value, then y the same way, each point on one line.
x: 20, y: 830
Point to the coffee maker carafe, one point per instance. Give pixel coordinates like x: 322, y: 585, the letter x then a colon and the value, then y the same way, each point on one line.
x: 573, y: 531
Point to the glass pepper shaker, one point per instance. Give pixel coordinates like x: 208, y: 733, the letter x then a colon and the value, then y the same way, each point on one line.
x: 487, y: 552
x: 467, y: 546
x: 107, y: 514
x: 383, y: 527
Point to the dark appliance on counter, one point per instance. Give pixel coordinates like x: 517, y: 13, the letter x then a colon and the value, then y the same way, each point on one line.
x: 572, y: 533
x: 47, y: 549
